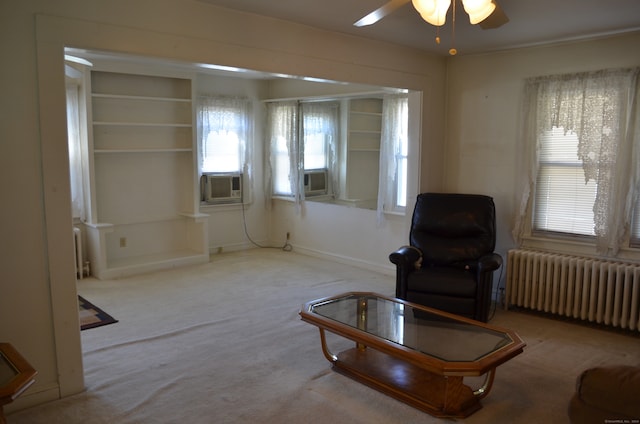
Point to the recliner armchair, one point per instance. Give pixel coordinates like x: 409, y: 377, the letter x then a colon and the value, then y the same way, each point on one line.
x: 450, y: 261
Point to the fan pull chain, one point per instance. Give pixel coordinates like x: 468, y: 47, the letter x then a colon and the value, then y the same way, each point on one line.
x: 452, y: 50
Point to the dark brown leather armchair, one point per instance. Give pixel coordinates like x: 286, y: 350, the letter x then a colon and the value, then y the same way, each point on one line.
x: 450, y: 261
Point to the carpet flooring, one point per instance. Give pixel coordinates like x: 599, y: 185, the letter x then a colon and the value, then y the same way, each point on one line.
x: 222, y: 342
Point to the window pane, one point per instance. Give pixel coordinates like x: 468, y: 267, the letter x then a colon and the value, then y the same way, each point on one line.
x: 224, y: 131
x: 635, y: 229
x: 222, y: 152
x: 315, y: 151
x: 401, y: 195
x: 564, y: 201
x: 281, y: 183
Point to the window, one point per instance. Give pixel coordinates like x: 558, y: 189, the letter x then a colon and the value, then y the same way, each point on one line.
x: 582, y: 156
x: 283, y: 133
x: 292, y: 163
x: 316, y: 125
x: 224, y: 128
x: 392, y: 185
x: 564, y: 200
x: 319, y: 133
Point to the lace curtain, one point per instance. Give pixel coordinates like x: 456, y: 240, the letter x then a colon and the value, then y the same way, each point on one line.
x: 284, y: 165
x: 230, y: 119
x: 602, y: 109
x: 75, y: 151
x: 290, y: 127
x: 320, y: 133
x: 394, y: 130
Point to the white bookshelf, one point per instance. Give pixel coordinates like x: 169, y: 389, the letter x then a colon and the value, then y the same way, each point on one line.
x: 364, y: 125
x: 143, y: 213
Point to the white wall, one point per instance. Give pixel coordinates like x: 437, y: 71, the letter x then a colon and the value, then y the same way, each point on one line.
x: 484, y: 100
x: 38, y: 305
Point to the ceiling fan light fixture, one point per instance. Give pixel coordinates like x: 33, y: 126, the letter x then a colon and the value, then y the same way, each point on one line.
x: 478, y: 10
x: 433, y: 11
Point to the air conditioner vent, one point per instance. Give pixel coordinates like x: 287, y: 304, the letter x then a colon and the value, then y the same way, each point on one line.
x: 315, y: 182
x: 221, y: 188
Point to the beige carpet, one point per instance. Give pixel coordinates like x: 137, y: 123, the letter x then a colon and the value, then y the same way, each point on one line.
x: 222, y: 343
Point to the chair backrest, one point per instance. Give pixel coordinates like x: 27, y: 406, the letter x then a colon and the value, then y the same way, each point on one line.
x: 453, y: 229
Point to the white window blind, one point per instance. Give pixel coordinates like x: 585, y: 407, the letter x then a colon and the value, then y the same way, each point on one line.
x: 564, y: 200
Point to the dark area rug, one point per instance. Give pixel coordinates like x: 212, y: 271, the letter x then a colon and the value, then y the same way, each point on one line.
x: 91, y: 316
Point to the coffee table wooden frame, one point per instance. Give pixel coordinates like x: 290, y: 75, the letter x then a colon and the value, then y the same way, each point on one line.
x: 23, y: 376
x: 420, y: 380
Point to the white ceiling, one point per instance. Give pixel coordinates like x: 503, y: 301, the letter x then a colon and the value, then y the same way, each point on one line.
x: 531, y: 22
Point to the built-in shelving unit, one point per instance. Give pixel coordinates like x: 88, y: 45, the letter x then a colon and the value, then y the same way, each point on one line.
x: 144, y: 199
x: 364, y: 125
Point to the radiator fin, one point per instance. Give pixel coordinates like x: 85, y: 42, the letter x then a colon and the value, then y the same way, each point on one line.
x: 595, y: 290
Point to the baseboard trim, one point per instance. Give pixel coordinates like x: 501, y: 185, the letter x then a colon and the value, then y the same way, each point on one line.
x: 33, y: 397
x: 347, y: 260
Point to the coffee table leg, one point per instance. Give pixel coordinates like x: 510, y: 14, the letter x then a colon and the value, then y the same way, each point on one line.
x: 486, y: 386
x: 325, y: 350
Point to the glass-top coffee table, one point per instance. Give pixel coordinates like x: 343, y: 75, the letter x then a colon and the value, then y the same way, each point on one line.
x: 16, y: 375
x: 416, y: 354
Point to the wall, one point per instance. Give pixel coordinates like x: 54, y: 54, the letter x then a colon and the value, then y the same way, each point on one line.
x: 227, y: 222
x: 38, y: 305
x: 483, y: 114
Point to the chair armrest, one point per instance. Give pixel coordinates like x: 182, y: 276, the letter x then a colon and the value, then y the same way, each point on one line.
x: 406, y: 256
x: 489, y: 262
x: 407, y: 260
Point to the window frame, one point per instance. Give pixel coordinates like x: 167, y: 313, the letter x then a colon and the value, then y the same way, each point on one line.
x: 242, y: 109
x: 565, y: 242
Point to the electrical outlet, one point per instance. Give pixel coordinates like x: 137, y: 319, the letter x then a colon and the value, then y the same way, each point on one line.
x: 123, y: 242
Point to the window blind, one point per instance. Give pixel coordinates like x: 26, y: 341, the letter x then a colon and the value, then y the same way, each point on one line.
x: 564, y: 200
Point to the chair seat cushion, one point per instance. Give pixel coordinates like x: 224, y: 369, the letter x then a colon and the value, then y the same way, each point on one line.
x: 442, y: 280
x: 607, y: 391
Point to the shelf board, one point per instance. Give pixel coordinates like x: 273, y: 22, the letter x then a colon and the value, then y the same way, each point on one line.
x: 120, y: 151
x: 142, y: 124
x: 365, y: 132
x: 357, y: 112
x: 145, y: 98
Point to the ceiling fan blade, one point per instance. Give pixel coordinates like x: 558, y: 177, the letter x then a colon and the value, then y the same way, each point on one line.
x: 496, y: 19
x: 381, y: 12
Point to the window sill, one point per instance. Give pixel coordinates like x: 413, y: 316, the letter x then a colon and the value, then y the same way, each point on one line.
x: 222, y: 206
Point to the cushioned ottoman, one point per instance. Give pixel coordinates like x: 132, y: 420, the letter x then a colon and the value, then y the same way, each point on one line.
x: 605, y: 394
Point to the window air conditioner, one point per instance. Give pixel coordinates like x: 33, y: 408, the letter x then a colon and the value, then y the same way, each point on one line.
x: 315, y: 182
x: 222, y: 188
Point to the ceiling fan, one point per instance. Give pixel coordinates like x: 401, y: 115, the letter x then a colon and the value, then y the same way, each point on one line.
x: 486, y: 13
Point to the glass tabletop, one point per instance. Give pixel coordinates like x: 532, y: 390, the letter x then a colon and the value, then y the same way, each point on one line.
x: 435, y: 335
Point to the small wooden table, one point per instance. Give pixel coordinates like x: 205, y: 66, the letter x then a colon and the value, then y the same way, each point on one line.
x: 16, y: 375
x: 415, y: 354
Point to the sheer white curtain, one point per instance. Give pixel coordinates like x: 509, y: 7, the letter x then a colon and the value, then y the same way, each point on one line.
x: 393, y: 146
x: 224, y: 128
x: 75, y: 151
x: 602, y: 109
x: 284, y: 167
x: 320, y: 133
